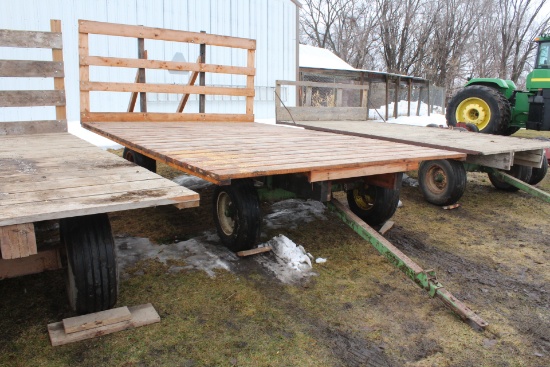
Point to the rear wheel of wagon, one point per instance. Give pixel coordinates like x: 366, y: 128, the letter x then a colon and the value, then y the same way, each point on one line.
x: 522, y: 173
x: 373, y: 204
x: 442, y: 181
x: 538, y: 174
x: 236, y: 210
x: 140, y: 159
x: 92, y: 276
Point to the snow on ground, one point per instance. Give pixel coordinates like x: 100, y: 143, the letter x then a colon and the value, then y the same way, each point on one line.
x: 191, y: 182
x: 288, y: 261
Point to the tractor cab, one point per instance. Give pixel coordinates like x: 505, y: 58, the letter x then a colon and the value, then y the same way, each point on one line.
x: 538, y: 81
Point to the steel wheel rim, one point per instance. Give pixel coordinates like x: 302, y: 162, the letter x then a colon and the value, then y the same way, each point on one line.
x: 226, y: 215
x: 362, y: 199
x: 437, y: 180
x: 475, y: 111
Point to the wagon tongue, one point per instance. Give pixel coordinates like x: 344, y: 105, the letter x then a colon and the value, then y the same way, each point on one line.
x: 426, y: 279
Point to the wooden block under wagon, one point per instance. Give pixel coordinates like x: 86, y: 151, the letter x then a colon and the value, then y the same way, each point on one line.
x: 96, y: 319
x: 141, y: 315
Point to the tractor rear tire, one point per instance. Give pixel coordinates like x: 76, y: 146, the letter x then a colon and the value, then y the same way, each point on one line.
x: 483, y: 106
x: 140, y: 159
x: 373, y: 204
x: 522, y: 173
x: 92, y: 276
x: 442, y: 181
x: 236, y: 210
x: 510, y: 130
x: 538, y: 174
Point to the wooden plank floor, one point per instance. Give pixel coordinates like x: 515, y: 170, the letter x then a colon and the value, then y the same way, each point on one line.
x: 52, y: 176
x: 460, y: 141
x: 221, y: 151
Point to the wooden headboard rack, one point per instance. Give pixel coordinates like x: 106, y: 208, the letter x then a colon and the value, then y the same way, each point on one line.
x: 34, y: 69
x: 140, y: 86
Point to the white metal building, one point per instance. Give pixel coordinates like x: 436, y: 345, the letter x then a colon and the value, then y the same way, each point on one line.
x: 273, y: 23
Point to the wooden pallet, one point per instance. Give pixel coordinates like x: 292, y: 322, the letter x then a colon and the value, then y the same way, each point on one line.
x: 220, y: 152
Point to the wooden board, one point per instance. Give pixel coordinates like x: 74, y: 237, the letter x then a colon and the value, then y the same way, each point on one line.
x: 32, y: 127
x: 31, y: 69
x: 141, y: 315
x: 29, y: 39
x: 96, y: 319
x: 29, y: 98
x: 219, y: 152
x: 44, y: 260
x: 52, y: 176
x: 18, y: 240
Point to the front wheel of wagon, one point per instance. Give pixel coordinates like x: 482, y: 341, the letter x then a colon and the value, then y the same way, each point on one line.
x: 236, y: 210
x: 373, y: 204
x: 442, y: 181
x: 92, y: 276
x: 140, y: 159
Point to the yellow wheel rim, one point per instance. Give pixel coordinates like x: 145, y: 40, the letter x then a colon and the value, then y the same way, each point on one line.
x: 363, y: 200
x: 474, y: 111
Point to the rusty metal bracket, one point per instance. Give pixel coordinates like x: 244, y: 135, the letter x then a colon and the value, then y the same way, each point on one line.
x: 425, y: 279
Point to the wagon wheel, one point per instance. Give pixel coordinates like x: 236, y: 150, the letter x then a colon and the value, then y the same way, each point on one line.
x: 236, y: 210
x: 442, y: 181
x: 140, y: 159
x: 373, y: 204
x: 92, y: 276
x: 538, y: 174
x: 522, y: 173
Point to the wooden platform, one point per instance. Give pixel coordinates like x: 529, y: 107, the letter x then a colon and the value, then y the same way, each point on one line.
x: 52, y: 176
x: 489, y: 150
x: 219, y: 152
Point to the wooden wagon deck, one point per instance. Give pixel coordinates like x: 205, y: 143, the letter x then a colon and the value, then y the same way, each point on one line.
x: 219, y: 152
x: 489, y: 150
x: 53, y: 176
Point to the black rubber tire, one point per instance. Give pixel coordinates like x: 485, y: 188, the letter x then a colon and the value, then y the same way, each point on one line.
x: 442, y: 181
x: 140, y: 159
x: 522, y: 173
x: 240, y: 224
x: 510, y: 130
x: 498, y: 104
x: 538, y: 174
x: 92, y: 276
x: 472, y: 128
x: 381, y: 202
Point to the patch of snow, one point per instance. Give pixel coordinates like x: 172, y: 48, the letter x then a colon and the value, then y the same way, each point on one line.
x: 289, y: 213
x: 201, y: 253
x: 409, y: 181
x: 402, y: 118
x: 321, y: 58
x: 291, y: 261
x: 191, y: 182
x: 320, y: 260
x: 77, y: 130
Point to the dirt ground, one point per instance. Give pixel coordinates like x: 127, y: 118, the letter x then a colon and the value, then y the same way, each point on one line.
x: 493, y: 253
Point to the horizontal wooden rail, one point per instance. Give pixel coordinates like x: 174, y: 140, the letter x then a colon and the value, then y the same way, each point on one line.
x: 323, y: 85
x: 165, y: 65
x: 27, y: 39
x: 32, y: 127
x: 124, y: 30
x: 31, y: 69
x: 164, y: 88
x: 163, y: 117
x: 29, y: 98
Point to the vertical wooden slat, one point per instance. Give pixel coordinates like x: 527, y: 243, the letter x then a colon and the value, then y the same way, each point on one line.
x: 309, y: 91
x: 396, y: 97
x: 18, y: 240
x: 58, y: 83
x: 202, y: 77
x: 141, y: 75
x: 250, y: 82
x: 387, y: 96
x: 278, y: 97
x: 84, y: 70
x: 429, y: 106
x: 134, y: 95
x: 409, y: 87
x: 339, y: 96
x: 419, y: 101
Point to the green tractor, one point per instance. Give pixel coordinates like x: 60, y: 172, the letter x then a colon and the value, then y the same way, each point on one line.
x: 495, y: 106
